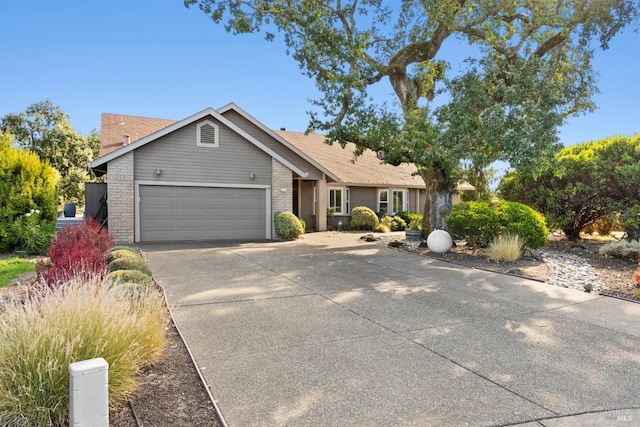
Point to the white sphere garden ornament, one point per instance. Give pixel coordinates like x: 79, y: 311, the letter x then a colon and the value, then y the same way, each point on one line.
x: 439, y: 241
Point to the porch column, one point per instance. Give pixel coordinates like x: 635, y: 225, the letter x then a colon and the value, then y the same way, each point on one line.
x: 322, y: 198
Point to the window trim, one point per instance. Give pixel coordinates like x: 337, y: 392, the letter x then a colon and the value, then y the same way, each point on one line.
x: 345, y: 202
x: 389, y: 201
x: 216, y: 135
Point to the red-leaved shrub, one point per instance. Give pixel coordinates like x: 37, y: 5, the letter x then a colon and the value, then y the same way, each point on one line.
x: 77, y: 251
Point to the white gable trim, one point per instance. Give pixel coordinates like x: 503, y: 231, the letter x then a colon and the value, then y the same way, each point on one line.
x: 189, y: 120
x: 281, y: 140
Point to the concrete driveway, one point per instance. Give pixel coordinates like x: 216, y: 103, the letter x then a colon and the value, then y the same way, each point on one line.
x: 330, y: 330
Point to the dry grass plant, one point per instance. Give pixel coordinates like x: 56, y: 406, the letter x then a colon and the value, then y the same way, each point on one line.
x: 505, y: 248
x: 40, y: 337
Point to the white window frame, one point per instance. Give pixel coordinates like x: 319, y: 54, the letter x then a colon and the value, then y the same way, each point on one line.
x: 380, y: 191
x: 216, y: 135
x: 345, y: 202
x: 390, y: 199
x: 404, y: 199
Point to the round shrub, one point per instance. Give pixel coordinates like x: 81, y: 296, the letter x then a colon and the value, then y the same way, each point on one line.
x: 130, y: 276
x: 363, y: 218
x: 523, y: 221
x: 481, y: 222
x: 287, y: 225
x: 121, y: 253
x: 122, y: 248
x: 129, y: 263
x: 474, y: 221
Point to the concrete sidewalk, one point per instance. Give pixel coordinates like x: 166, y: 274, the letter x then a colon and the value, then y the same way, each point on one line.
x: 330, y: 330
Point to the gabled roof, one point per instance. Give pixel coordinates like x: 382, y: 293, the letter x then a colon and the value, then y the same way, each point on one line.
x: 366, y: 170
x: 115, y: 128
x: 103, y: 160
x: 260, y: 125
x: 334, y: 161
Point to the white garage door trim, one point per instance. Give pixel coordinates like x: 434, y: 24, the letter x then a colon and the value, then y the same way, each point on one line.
x: 137, y: 184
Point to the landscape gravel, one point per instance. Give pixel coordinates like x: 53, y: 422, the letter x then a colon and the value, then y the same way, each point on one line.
x: 565, y: 270
x: 570, y: 271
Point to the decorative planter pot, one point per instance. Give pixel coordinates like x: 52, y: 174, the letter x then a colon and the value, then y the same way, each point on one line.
x: 69, y: 210
x: 413, y: 235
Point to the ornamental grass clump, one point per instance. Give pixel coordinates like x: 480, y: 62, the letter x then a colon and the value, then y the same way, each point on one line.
x: 505, y: 248
x: 40, y: 337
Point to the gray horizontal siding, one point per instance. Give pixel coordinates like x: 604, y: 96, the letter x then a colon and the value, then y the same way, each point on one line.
x: 364, y: 196
x: 274, y: 145
x: 180, y: 160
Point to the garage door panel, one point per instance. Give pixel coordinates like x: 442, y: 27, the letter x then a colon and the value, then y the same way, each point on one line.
x: 201, y: 213
x: 191, y: 212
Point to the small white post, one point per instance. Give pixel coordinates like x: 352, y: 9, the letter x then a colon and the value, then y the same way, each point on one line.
x: 89, y: 393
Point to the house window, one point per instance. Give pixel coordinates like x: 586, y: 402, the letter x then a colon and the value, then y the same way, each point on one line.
x: 398, y: 200
x: 339, y: 202
x: 207, y: 134
x: 383, y: 201
x: 391, y: 206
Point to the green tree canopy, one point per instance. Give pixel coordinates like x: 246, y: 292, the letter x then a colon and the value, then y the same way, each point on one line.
x: 532, y: 70
x: 583, y: 183
x: 45, y: 129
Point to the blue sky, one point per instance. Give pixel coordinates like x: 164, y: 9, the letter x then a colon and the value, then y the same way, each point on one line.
x: 156, y: 58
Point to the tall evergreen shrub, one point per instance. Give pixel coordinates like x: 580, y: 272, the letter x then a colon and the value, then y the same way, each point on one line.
x: 27, y: 184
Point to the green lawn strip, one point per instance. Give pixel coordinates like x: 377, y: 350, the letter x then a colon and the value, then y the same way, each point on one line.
x: 14, y: 267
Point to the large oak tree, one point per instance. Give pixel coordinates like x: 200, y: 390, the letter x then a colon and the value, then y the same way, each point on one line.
x: 531, y: 70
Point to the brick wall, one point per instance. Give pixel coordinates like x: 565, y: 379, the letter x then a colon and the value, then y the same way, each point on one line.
x: 120, y: 197
x: 282, y: 190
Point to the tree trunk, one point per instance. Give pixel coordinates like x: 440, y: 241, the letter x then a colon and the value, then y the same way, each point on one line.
x: 439, y: 200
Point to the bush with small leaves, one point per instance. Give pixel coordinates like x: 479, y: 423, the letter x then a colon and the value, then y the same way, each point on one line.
x: 121, y: 253
x: 130, y: 276
x: 624, y: 249
x: 631, y: 222
x: 480, y: 222
x: 287, y: 225
x: 129, y: 263
x: 363, y: 218
x: 122, y: 248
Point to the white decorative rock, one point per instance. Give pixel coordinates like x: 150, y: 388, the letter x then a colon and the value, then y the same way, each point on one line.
x: 439, y: 241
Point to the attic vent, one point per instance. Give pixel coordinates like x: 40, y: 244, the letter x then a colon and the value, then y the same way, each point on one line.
x: 126, y: 140
x: 207, y: 134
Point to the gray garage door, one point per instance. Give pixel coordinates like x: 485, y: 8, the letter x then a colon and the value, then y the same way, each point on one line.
x: 201, y: 213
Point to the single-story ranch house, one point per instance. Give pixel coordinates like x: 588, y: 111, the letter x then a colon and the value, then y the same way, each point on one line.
x: 221, y: 174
